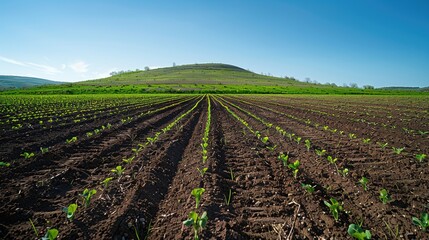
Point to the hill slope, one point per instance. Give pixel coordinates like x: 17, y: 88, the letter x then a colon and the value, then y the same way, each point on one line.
x: 7, y: 82
x: 198, y: 78
x: 210, y: 73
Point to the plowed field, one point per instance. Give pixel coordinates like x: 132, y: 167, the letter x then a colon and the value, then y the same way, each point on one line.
x: 250, y: 193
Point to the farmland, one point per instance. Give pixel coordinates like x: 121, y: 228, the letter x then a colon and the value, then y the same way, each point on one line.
x: 263, y: 166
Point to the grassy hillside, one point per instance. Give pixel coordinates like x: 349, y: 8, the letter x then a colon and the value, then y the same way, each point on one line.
x: 198, y: 78
x: 10, y: 82
x: 194, y: 74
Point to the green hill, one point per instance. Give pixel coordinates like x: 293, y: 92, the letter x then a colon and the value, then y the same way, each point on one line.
x: 198, y: 78
x: 11, y: 82
x: 194, y: 74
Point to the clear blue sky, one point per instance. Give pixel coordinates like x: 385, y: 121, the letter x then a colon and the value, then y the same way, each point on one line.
x: 381, y: 43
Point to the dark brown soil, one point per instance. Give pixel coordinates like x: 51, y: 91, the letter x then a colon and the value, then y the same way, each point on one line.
x: 153, y: 196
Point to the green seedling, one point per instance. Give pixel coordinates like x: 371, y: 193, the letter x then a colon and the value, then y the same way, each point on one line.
x: 334, y: 207
x: 272, y: 148
x: 202, y: 171
x: 228, y: 199
x: 34, y: 228
x: 298, y: 140
x: 382, y: 145
x: 320, y: 153
x: 325, y: 128
x: 257, y: 134
x: 106, y: 181
x: 384, y: 196
x: 332, y: 160
x: 151, y: 140
x: 352, y: 136
x: 420, y: 157
x: 4, y: 164
x: 197, y: 192
x: 197, y: 222
x: 231, y: 174
x: 204, y: 145
x: 366, y: 140
x: 294, y: 167
x: 397, y: 150
x: 27, y: 155
x: 89, y: 134
x: 308, y: 187
x: 284, y: 158
x: 51, y: 234
x: 109, y: 126
x: 357, y: 232
x: 71, y: 140
x: 344, y: 172
x: 364, y: 181
x: 423, y: 222
x: 118, y: 170
x: 128, y: 160
x: 44, y: 150
x: 87, y: 195
x: 70, y: 210
x: 264, y: 140
x: 423, y: 132
x: 307, y: 144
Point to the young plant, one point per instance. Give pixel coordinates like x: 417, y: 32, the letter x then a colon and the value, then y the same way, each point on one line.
x: 344, y: 172
x: 70, y: 210
x: 382, y: 145
x: 106, y: 181
x: 44, y: 150
x: 4, y: 164
x: 384, y: 196
x: 366, y: 140
x: 87, y: 195
x: 423, y: 222
x: 202, y: 171
x: 264, y: 140
x: 334, y: 207
x: 284, y: 158
x: 298, y: 140
x: 308, y: 187
x: 71, y: 140
x: 51, y: 234
x: 352, y: 136
x: 118, y: 170
x: 128, y: 160
x: 397, y: 150
x: 320, y: 153
x: 420, y: 157
x: 89, y: 134
x: 197, y: 192
x: 27, y: 155
x: 332, y: 160
x: 307, y: 144
x: 228, y: 198
x: 357, y: 232
x: 364, y: 181
x: 34, y: 228
x: 271, y: 148
x: 197, y: 222
x: 294, y: 167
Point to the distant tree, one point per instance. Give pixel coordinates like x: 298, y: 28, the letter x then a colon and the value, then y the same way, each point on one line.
x: 174, y: 64
x: 146, y: 68
x: 307, y: 80
x: 368, y: 87
x: 113, y: 73
x: 354, y: 85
